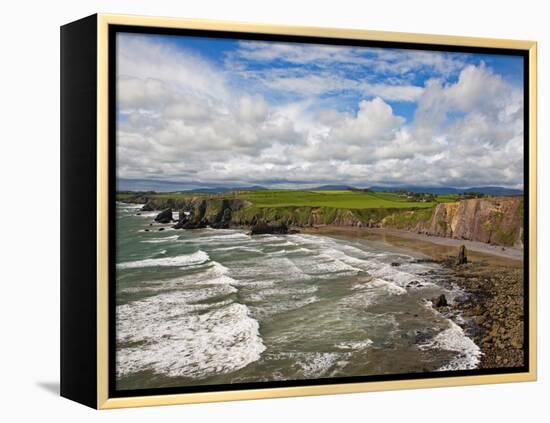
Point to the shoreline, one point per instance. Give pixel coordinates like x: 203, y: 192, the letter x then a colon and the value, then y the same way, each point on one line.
x: 436, y: 247
x: 492, y: 314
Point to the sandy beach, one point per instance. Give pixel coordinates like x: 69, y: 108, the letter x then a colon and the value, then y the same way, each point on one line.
x: 433, y: 246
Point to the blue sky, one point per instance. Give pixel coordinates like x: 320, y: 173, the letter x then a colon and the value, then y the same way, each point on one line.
x: 219, y: 51
x: 217, y: 111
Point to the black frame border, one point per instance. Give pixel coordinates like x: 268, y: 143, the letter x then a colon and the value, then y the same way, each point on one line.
x: 136, y: 29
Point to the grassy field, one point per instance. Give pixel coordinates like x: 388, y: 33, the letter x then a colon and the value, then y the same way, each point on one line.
x: 337, y: 199
x: 345, y: 199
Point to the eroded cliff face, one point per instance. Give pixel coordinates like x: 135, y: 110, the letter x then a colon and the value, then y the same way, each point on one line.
x: 494, y: 220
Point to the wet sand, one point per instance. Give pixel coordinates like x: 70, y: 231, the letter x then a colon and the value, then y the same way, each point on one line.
x: 438, y: 248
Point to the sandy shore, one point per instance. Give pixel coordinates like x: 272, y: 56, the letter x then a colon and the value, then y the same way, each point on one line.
x: 433, y: 246
x: 492, y: 315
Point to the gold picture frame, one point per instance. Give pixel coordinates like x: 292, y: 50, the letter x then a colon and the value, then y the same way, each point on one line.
x: 101, y: 23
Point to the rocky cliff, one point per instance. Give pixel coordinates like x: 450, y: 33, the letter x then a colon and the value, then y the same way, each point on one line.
x: 494, y: 220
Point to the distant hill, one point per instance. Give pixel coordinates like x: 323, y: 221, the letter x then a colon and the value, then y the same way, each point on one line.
x: 227, y: 189
x: 488, y: 190
x: 331, y: 188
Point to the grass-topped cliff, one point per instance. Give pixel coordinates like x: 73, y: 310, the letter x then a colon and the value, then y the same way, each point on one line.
x: 497, y: 220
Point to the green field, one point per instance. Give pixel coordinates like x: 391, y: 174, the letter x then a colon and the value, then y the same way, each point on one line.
x: 337, y: 199
x: 341, y: 199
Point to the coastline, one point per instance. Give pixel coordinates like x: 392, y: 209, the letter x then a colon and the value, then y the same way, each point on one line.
x: 492, y: 313
x: 434, y: 246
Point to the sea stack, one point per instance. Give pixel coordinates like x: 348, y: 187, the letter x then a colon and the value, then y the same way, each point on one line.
x: 164, y: 216
x: 461, y: 258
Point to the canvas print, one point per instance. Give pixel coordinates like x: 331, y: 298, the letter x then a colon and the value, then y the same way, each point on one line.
x: 294, y: 211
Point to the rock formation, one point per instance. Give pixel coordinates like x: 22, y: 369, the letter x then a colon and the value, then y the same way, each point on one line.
x: 461, y: 258
x: 440, y: 301
x: 265, y: 228
x: 164, y: 216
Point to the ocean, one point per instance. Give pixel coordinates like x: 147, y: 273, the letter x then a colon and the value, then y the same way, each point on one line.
x: 212, y: 306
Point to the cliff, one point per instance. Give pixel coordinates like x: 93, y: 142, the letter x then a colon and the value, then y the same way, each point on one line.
x: 493, y: 220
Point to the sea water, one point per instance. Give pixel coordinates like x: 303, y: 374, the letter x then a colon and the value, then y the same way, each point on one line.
x: 213, y: 306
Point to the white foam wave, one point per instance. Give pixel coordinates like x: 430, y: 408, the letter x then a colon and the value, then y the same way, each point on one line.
x: 324, y: 266
x: 198, y: 257
x: 162, y: 239
x: 130, y: 206
x: 148, y: 214
x: 454, y: 339
x: 359, y: 345
x: 238, y: 247
x: 318, y: 364
x: 224, y: 237
x: 372, y: 292
x: 177, y: 342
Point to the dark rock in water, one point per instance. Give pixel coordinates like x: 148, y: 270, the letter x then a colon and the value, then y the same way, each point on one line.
x: 147, y: 207
x: 461, y: 258
x: 161, y: 229
x: 146, y: 230
x: 164, y: 216
x: 264, y: 228
x: 395, y: 264
x: 138, y: 214
x: 440, y: 301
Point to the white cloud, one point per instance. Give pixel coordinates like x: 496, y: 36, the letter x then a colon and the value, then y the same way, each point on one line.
x: 185, y: 119
x: 317, y: 84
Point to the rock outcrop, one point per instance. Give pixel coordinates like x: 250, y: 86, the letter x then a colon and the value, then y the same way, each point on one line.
x: 265, y: 228
x: 461, y: 257
x: 201, y: 212
x: 494, y: 220
x: 440, y: 301
x: 164, y: 216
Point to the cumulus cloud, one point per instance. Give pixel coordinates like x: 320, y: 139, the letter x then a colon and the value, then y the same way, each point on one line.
x: 184, y: 117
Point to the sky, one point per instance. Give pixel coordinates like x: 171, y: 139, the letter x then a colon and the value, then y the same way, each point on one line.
x: 204, y: 112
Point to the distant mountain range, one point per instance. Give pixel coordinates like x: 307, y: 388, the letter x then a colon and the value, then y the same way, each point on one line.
x: 228, y: 189
x: 488, y: 190
x: 171, y: 186
x: 331, y: 188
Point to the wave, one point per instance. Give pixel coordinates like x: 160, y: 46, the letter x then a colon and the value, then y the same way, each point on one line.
x: 132, y: 206
x: 162, y: 239
x: 147, y: 214
x: 198, y: 257
x: 358, y: 345
x: 227, y: 237
x: 238, y: 247
x: 454, y: 339
x: 177, y: 342
x: 266, y: 309
x: 372, y: 292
